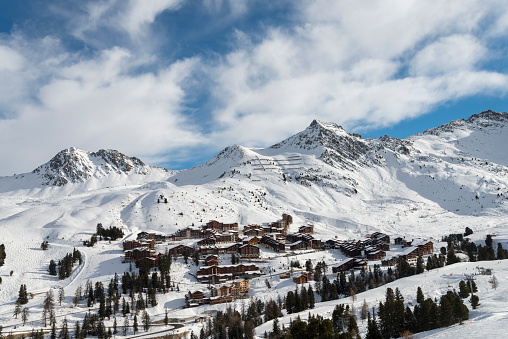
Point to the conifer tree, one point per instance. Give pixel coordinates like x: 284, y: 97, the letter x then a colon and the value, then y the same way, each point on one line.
x: 24, y: 315
x: 135, y: 325
x: 419, y: 295
x: 475, y: 301
x: 23, y: 295
x: 52, y: 268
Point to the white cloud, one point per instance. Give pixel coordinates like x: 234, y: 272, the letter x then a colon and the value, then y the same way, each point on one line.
x: 98, y: 103
x: 448, y: 54
x: 131, y: 17
x: 369, y: 64
x: 139, y: 14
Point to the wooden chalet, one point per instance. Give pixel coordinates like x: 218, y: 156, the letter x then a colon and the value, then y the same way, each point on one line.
x: 195, y: 298
x: 349, y: 264
x: 398, y: 241
x: 251, y: 241
x: 375, y: 255
x: 188, y: 233
x: 426, y: 247
x: 273, y: 244
x: 308, y: 229
x: 217, y: 273
x: 254, y: 232
x: 157, y: 237
x: 220, y: 227
x: 179, y: 249
x: 380, y: 236
x: 139, y: 253
x: 303, y: 278
x: 129, y: 245
x: 248, y: 251
x: 211, y: 250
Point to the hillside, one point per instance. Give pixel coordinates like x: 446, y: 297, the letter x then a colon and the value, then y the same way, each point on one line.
x: 430, y: 184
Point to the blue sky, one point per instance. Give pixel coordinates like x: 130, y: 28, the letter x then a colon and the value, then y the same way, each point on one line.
x: 174, y: 81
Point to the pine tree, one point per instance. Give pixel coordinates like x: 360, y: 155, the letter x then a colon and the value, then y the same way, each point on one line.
x: 146, y: 321
x: 24, y: 315
x: 47, y: 307
x: 61, y: 296
x: 53, y: 331
x: 125, y: 325
x: 17, y: 310
x: 64, y: 332
x: 135, y: 325
x: 23, y: 295
x: 52, y: 268
x: 310, y: 292
x: 475, y: 301
x: 77, y: 330
x: 463, y: 289
x: 419, y: 295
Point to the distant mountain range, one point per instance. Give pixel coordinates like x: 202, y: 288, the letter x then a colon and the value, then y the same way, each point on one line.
x: 322, y: 174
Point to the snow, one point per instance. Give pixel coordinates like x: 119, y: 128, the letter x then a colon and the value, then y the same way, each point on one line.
x: 423, y: 187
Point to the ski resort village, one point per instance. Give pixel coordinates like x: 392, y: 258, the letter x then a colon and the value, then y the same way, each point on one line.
x: 323, y: 235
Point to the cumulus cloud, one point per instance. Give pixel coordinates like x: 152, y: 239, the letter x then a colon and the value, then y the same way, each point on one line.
x: 369, y: 64
x: 131, y: 17
x: 98, y: 103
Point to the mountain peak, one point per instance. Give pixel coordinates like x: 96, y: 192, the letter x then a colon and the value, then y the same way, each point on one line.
x: 484, y: 119
x: 74, y: 165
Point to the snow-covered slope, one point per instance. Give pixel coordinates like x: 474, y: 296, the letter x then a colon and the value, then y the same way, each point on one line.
x: 430, y: 184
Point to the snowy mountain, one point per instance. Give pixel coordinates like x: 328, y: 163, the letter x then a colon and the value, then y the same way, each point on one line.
x: 73, y: 165
x: 430, y: 184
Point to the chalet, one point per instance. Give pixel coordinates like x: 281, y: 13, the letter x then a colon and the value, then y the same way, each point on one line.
x: 179, y: 249
x: 349, y: 264
x: 251, y: 241
x: 188, y: 233
x: 150, y: 262
x: 226, y: 237
x: 208, y: 241
x: 254, y: 232
x: 398, y: 241
x: 376, y: 255
x: 351, y: 248
x: 216, y: 273
x: 410, y: 254
x: 129, y: 245
x: 331, y: 243
x: 249, y: 251
x: 211, y: 250
x: 287, y: 218
x: 236, y: 289
x: 233, y: 249
x: 303, y: 278
x: 426, y: 247
x: 309, y: 229
x: 195, y: 298
x: 273, y: 244
x: 379, y: 244
x: 157, y: 237
x: 299, y: 245
x: 221, y: 227
x: 138, y: 253
x: 380, y: 236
